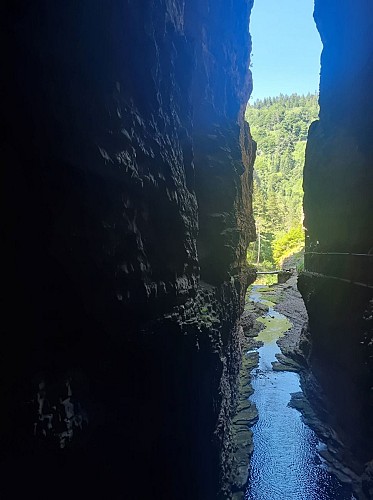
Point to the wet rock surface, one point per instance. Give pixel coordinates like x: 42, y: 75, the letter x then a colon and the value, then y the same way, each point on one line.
x: 246, y: 413
x: 294, y: 344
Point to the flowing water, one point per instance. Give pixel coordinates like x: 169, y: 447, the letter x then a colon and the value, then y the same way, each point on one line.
x: 285, y: 464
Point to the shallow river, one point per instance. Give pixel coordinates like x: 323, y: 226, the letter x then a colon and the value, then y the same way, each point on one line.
x: 285, y: 464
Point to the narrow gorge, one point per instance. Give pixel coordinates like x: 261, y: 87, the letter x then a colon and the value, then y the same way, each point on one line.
x: 128, y: 173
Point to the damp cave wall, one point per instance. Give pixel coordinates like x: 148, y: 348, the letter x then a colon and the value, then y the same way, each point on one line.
x: 127, y: 186
x: 338, y: 207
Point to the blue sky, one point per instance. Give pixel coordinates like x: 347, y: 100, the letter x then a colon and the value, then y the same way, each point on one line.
x: 286, y: 48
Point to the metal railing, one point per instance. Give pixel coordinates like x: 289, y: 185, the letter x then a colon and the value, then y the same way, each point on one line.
x: 350, y: 267
x: 269, y: 272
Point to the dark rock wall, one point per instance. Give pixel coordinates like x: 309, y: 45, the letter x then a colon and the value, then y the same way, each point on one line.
x: 222, y: 178
x: 338, y: 205
x: 127, y: 173
x: 338, y: 171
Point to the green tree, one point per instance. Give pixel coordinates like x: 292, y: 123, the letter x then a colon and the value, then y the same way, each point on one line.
x: 280, y: 127
x: 287, y: 244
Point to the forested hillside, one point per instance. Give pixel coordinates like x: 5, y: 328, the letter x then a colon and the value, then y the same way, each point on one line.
x: 279, y: 125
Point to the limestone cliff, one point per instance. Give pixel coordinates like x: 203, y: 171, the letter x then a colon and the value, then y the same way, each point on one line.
x: 128, y: 211
x: 338, y: 205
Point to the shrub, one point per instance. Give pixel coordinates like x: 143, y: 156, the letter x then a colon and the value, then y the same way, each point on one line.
x: 287, y: 244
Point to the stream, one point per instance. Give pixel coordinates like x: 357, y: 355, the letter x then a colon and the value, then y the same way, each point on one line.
x: 285, y: 464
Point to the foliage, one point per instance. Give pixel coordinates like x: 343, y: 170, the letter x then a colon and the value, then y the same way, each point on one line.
x: 287, y: 244
x: 266, y: 279
x: 295, y: 260
x: 279, y: 125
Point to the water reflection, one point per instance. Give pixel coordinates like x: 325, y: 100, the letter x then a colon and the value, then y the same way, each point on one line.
x: 285, y: 464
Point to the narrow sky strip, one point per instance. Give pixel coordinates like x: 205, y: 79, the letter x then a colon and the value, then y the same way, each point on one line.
x: 286, y: 48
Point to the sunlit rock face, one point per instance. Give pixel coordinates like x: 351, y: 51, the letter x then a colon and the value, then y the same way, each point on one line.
x: 128, y: 208
x: 338, y: 205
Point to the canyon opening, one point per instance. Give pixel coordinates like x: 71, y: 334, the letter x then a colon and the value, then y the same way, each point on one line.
x: 138, y: 357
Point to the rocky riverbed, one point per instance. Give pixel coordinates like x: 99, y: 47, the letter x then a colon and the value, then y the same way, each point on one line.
x: 311, y: 402
x: 253, y: 321
x: 274, y: 344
